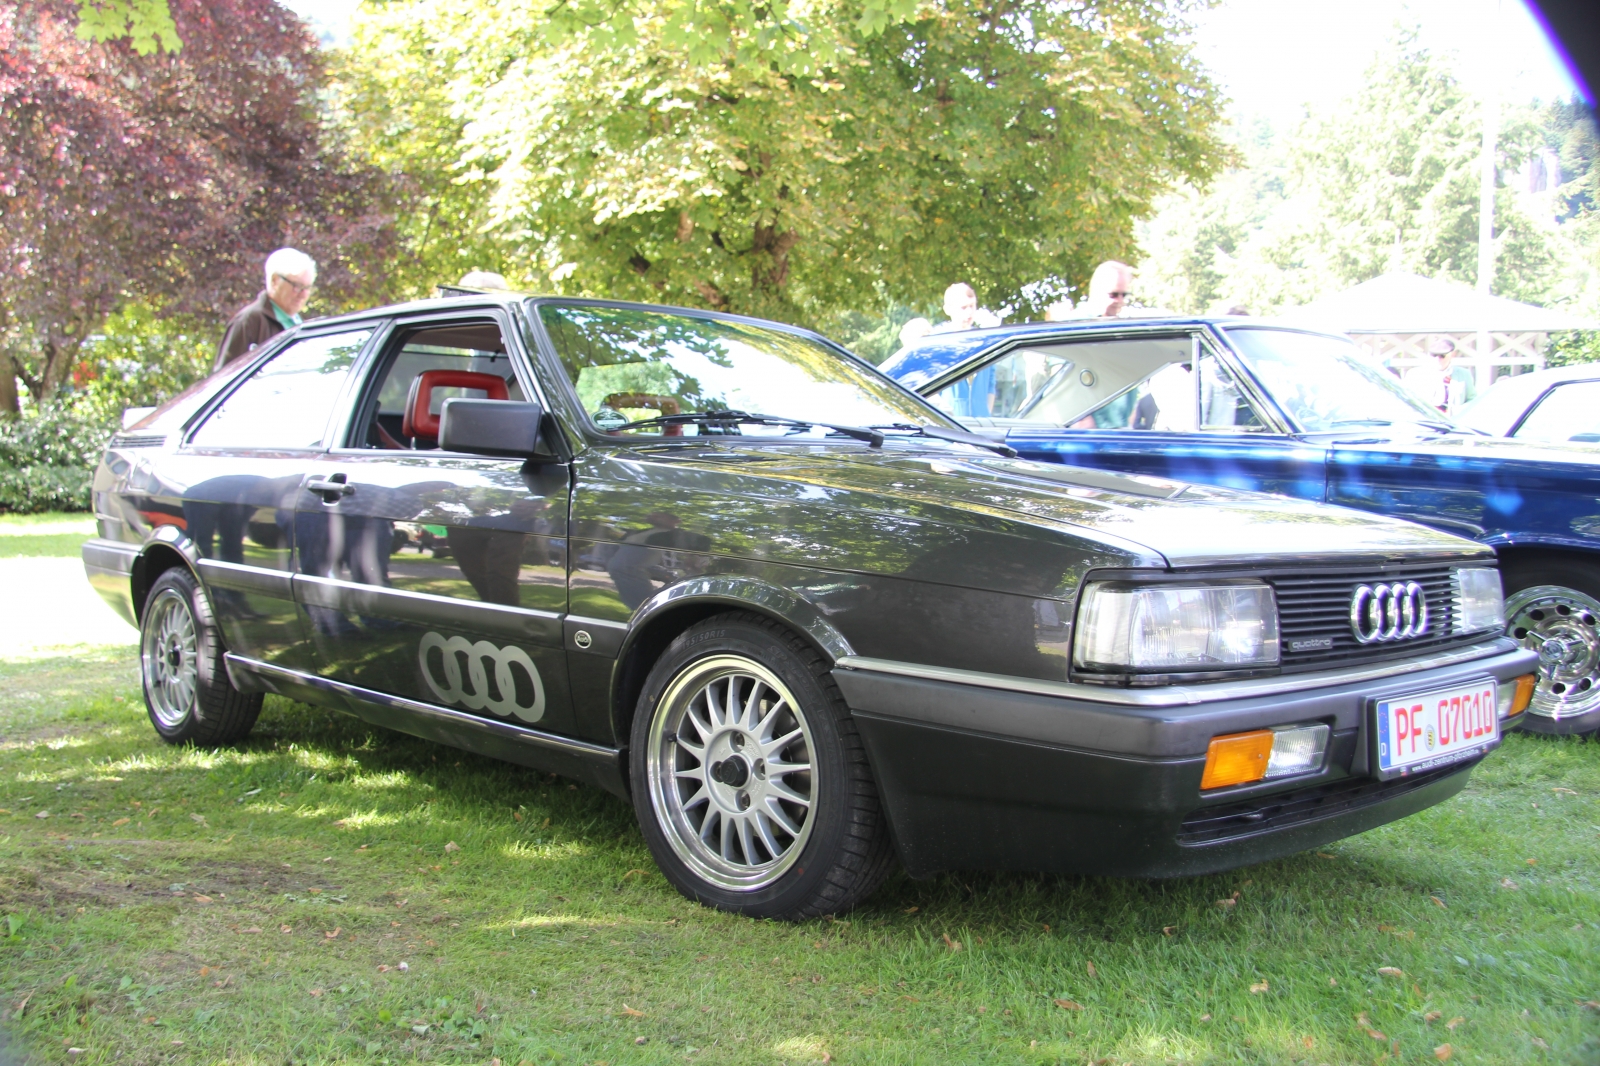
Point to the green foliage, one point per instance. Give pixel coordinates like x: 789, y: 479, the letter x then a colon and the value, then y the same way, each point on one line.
x: 47, y: 459
x: 1574, y: 347
x: 1385, y: 181
x: 147, y: 24
x: 715, y: 162
x: 140, y: 358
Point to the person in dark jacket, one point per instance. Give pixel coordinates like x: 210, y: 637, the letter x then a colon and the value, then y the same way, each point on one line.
x: 291, y: 275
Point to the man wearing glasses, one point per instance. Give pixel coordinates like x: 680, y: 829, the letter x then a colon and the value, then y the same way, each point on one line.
x: 291, y: 275
x: 1109, y: 289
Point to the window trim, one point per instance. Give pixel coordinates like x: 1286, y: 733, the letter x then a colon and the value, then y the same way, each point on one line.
x: 292, y: 337
x: 1538, y: 402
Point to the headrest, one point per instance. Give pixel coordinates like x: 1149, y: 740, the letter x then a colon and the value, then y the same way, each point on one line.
x: 420, y: 421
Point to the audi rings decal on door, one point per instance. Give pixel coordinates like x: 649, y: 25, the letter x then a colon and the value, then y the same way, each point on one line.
x: 1381, y: 613
x: 476, y: 693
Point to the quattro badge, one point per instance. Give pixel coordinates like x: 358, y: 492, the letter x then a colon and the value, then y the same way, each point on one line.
x: 475, y: 694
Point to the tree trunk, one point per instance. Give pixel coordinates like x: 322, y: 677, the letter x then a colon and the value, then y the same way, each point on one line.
x: 9, y: 408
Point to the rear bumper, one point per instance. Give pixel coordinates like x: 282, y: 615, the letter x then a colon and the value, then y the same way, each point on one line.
x: 108, y: 564
x: 976, y: 777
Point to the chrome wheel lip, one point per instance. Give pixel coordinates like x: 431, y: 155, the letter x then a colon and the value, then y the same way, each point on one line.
x: 1569, y: 647
x: 668, y: 758
x: 167, y: 648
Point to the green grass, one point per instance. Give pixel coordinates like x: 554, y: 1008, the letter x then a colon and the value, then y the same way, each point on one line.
x: 254, y: 905
x: 53, y: 533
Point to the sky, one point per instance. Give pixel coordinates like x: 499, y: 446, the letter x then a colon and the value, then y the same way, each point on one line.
x: 1276, y: 57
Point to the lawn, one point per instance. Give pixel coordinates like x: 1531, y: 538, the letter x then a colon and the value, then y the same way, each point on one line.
x: 328, y: 892
x: 54, y: 533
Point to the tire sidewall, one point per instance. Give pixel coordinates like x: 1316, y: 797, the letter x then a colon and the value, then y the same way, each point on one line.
x: 830, y: 778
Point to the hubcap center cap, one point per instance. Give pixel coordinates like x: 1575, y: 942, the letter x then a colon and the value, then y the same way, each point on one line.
x: 732, y: 771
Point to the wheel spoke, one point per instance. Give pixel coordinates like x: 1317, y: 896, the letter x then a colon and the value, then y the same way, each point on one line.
x: 778, y: 769
x: 783, y: 791
x: 763, y: 821
x: 752, y: 707
x: 773, y: 747
x: 727, y: 838
x: 699, y: 796
x: 747, y: 842
x: 775, y: 811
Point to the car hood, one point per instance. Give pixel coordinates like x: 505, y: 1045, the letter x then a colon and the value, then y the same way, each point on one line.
x: 1153, y: 519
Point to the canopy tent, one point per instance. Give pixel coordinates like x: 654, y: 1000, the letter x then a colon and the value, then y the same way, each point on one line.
x: 1396, y: 316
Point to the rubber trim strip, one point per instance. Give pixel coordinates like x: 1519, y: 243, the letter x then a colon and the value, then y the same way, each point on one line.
x: 1179, y: 695
x: 597, y: 753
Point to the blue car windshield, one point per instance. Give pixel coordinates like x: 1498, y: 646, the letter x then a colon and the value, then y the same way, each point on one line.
x: 1325, y: 385
x: 633, y: 364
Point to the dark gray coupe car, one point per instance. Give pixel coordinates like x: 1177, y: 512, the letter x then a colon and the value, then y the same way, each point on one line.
x: 799, y: 617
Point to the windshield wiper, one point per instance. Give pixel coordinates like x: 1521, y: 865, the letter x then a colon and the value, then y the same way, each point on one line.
x: 1361, y: 422
x: 744, y: 418
x: 958, y: 436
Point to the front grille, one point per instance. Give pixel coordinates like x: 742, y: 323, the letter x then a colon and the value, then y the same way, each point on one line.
x: 1314, y: 608
x: 1292, y: 808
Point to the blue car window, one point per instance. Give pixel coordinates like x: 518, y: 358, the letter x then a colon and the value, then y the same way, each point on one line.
x: 286, y: 402
x: 1324, y: 383
x: 1567, y: 412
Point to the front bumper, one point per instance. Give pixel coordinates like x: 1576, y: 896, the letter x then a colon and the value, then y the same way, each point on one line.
x: 1070, y: 779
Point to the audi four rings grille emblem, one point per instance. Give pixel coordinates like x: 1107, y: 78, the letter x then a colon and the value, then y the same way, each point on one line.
x: 1396, y: 611
x: 476, y: 693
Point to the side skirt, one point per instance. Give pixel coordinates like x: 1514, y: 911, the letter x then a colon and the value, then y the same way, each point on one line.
x: 579, y: 759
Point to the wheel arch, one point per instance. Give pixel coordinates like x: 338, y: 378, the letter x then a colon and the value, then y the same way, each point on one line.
x: 660, y: 620
x: 1526, y: 554
x: 160, y: 554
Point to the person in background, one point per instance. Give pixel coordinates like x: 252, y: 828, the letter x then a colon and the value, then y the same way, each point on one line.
x: 1109, y: 289
x: 291, y: 275
x: 1443, y: 383
x: 961, y: 307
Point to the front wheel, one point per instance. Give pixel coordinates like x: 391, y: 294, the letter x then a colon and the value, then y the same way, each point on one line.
x: 750, y: 783
x: 186, y: 685
x: 1553, y: 607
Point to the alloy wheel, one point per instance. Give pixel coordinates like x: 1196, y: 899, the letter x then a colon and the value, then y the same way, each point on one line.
x: 168, y: 655
x: 730, y: 772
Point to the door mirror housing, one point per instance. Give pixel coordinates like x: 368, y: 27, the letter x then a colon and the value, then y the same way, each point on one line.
x: 510, y: 428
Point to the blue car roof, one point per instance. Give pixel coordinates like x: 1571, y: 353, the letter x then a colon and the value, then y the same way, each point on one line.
x: 925, y: 359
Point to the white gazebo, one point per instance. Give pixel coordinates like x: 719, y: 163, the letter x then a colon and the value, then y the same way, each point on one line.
x: 1396, y: 316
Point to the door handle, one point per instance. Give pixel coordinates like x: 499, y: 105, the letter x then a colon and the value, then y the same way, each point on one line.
x: 331, y: 489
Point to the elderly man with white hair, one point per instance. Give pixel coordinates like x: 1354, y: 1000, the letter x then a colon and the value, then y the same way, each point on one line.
x: 291, y: 275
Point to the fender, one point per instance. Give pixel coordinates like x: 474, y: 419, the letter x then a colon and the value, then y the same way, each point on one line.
x: 735, y: 591
x: 1502, y: 541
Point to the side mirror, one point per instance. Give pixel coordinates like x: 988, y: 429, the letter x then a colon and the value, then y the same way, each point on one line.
x: 493, y: 427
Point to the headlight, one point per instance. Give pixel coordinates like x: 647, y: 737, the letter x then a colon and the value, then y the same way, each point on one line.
x: 1174, y: 628
x: 1479, y: 603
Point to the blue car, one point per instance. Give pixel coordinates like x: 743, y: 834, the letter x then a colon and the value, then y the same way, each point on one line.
x: 1253, y: 405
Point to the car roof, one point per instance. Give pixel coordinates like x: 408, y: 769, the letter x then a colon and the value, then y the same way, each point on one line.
x: 1501, y: 406
x: 930, y: 356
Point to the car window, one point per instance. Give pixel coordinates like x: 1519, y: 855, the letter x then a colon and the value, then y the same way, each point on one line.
x: 1143, y: 383
x: 286, y: 402
x: 629, y: 364
x: 424, y: 368
x: 1566, y: 412
x: 1324, y: 384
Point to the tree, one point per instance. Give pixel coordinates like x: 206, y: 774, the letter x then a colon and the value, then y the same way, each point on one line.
x: 1387, y: 180
x: 165, y: 176
x: 1002, y: 142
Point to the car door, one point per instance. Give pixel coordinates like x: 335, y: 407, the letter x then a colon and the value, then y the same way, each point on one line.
x: 1166, y: 404
x: 429, y: 575
x: 235, y: 480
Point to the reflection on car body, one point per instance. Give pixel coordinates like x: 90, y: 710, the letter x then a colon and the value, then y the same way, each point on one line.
x: 800, y: 628
x: 1303, y: 414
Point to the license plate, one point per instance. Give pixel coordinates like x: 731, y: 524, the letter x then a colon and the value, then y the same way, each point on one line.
x: 1430, y: 729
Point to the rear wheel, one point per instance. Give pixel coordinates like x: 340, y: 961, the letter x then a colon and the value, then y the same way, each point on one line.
x: 186, y: 685
x: 750, y: 783
x: 1553, y: 607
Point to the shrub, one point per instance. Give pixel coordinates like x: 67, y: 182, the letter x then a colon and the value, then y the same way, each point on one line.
x: 1573, y: 347
x: 47, y: 458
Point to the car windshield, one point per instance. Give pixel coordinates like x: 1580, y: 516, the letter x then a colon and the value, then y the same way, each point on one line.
x: 631, y: 364
x: 1324, y: 384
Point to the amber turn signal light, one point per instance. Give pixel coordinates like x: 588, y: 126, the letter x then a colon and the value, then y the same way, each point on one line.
x: 1237, y: 758
x: 1523, y: 694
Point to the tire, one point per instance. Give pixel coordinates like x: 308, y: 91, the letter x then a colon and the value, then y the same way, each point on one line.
x: 728, y: 831
x: 186, y: 688
x: 1553, y: 607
